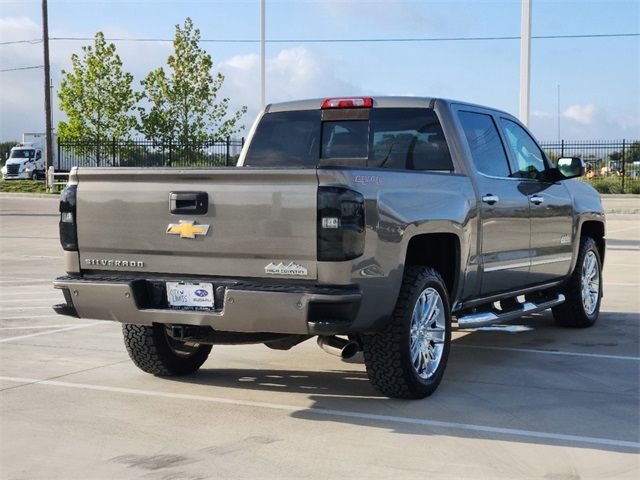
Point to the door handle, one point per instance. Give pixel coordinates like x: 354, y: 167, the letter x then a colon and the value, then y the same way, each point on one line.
x: 182, y: 203
x: 536, y: 199
x: 490, y: 199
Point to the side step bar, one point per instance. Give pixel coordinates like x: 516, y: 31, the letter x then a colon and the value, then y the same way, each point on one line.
x: 483, y: 319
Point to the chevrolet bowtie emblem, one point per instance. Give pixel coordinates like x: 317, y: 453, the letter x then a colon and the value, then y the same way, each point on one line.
x: 187, y: 229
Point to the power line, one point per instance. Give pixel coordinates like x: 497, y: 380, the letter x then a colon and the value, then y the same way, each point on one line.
x: 357, y: 40
x: 333, y: 40
x: 13, y: 42
x: 21, y: 68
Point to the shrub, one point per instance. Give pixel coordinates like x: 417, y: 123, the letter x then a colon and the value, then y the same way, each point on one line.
x: 607, y: 185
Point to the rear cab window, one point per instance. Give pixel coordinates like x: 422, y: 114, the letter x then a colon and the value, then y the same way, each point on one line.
x: 394, y: 138
x: 487, y: 151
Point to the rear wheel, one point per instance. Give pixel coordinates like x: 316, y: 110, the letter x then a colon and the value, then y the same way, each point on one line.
x: 408, y: 358
x: 155, y: 352
x: 583, y: 291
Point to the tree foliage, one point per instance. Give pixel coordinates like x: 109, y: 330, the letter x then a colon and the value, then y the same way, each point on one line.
x: 182, y: 103
x: 97, y: 96
x: 5, y: 148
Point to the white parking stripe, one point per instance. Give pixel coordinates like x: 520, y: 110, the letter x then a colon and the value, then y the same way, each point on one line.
x: 548, y: 352
x: 33, y: 293
x: 5, y: 309
x: 623, y: 284
x: 32, y: 280
x: 37, y: 327
x: 622, y: 230
x: 76, y: 327
x: 24, y: 317
x: 514, y: 432
x: 30, y: 301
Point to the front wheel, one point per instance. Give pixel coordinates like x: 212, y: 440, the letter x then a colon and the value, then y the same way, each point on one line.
x: 583, y: 291
x: 408, y: 358
x: 154, y: 351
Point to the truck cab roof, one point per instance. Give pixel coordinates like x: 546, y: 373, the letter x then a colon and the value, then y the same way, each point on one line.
x: 378, y: 102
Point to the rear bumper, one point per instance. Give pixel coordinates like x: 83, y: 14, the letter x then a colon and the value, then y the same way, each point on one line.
x: 240, y: 306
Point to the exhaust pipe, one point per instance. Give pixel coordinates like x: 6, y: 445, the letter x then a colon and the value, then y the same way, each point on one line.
x: 338, y: 346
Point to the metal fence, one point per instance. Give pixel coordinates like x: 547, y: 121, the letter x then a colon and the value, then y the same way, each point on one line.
x: 613, y: 166
x: 147, y: 153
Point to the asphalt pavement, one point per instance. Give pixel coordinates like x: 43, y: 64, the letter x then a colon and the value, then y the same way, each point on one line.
x: 530, y: 400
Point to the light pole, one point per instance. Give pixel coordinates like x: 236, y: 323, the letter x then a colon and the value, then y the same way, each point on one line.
x: 262, y: 55
x: 47, y: 88
x: 525, y: 61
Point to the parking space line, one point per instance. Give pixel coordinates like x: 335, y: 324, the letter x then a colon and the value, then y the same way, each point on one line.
x: 30, y: 301
x: 34, y: 327
x: 22, y: 292
x: 28, y: 317
x: 514, y: 432
x: 548, y: 352
x: 6, y: 309
x: 634, y: 227
x: 49, y: 332
x: 622, y: 284
x: 18, y: 280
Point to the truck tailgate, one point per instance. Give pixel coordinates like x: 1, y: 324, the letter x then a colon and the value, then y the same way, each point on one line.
x: 261, y: 222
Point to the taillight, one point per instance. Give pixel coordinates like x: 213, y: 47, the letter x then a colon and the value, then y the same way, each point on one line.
x: 356, y: 102
x: 68, y: 236
x: 340, y: 224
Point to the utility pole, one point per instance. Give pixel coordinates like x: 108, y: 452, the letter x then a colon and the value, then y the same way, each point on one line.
x: 558, y: 112
x: 525, y: 61
x: 262, y: 55
x: 47, y: 89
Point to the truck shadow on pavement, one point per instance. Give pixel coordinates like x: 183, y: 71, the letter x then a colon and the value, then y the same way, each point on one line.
x: 495, y: 380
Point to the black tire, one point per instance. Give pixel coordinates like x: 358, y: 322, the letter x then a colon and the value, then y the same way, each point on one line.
x: 572, y: 313
x: 153, y: 351
x: 387, y: 355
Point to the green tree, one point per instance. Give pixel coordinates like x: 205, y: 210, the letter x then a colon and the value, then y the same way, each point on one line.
x: 182, y: 103
x: 97, y: 98
x: 5, y: 148
x: 633, y: 154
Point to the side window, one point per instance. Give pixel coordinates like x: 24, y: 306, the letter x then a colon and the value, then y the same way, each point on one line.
x: 484, y: 142
x: 408, y: 138
x: 528, y: 156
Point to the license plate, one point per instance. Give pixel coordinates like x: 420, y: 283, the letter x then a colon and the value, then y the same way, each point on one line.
x: 190, y: 296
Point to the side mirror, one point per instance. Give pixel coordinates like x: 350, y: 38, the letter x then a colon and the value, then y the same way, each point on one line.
x: 568, y: 167
x: 571, y: 167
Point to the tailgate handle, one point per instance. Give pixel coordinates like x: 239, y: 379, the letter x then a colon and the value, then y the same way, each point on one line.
x: 195, y: 203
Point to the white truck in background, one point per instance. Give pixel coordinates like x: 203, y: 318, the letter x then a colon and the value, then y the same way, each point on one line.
x: 27, y: 159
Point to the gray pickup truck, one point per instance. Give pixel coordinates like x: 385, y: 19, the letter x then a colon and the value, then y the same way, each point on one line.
x: 371, y: 223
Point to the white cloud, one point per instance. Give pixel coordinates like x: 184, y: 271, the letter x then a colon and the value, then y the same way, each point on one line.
x: 584, y: 122
x: 292, y: 74
x: 581, y: 113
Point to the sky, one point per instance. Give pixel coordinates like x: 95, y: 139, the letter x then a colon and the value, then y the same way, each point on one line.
x: 598, y: 78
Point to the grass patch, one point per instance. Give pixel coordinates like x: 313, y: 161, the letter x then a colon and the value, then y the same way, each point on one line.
x: 23, y: 186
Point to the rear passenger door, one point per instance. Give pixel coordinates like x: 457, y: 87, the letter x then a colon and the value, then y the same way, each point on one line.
x: 504, y: 207
x: 550, y: 205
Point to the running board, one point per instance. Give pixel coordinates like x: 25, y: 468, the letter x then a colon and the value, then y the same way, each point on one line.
x: 483, y: 319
